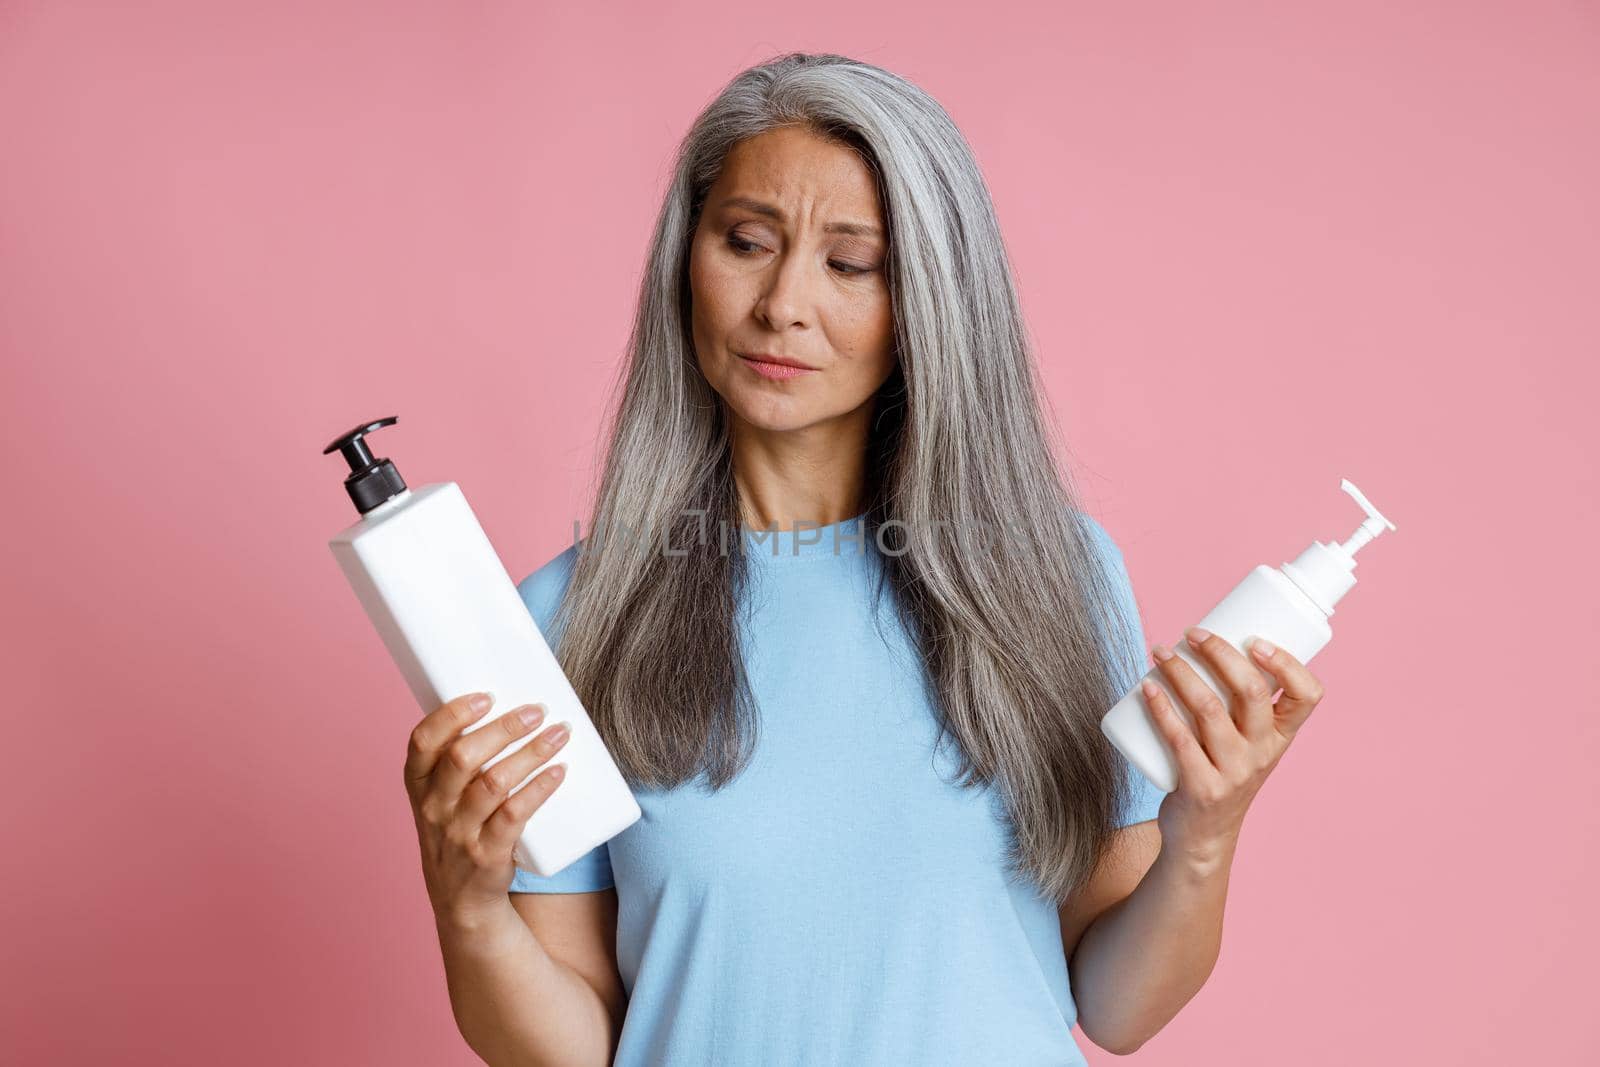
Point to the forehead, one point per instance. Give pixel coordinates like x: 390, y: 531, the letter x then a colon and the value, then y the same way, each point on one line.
x: 791, y: 164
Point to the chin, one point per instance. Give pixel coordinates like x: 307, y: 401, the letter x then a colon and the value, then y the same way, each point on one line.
x: 773, y: 414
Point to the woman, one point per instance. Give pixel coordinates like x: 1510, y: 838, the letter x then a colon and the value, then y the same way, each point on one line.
x: 931, y: 825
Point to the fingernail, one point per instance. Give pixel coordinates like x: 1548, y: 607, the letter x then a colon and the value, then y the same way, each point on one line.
x: 531, y: 714
x: 557, y: 733
x: 1197, y: 635
x: 1262, y: 648
x: 481, y: 701
x: 1160, y: 652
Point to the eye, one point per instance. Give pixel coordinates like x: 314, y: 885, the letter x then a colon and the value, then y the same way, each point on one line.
x: 744, y: 247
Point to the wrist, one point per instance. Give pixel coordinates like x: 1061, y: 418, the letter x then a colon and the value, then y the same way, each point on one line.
x: 475, y: 919
x: 1199, y: 859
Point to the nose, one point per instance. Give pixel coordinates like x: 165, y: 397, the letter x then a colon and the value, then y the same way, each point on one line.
x: 787, y: 299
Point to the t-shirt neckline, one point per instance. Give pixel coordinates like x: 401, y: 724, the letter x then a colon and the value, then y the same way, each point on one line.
x: 809, y: 541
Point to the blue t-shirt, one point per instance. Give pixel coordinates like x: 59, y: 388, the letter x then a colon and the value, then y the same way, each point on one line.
x: 843, y: 900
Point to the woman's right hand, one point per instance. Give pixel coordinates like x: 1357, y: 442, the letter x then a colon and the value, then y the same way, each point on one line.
x: 467, y: 824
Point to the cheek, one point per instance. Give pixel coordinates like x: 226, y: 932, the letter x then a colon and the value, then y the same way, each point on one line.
x: 868, y: 333
x: 712, y: 296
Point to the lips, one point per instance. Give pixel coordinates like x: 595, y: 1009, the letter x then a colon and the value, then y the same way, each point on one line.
x: 769, y: 367
x: 767, y: 357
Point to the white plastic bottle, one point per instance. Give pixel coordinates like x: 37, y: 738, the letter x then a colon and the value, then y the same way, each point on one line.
x: 453, y: 621
x: 1288, y: 606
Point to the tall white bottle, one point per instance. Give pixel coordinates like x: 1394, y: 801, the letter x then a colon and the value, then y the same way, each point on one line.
x: 454, y: 623
x: 1288, y: 606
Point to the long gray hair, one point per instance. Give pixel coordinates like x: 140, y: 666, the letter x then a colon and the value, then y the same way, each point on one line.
x: 1025, y: 650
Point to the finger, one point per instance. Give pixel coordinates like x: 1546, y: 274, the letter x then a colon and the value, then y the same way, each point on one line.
x: 1302, y: 692
x: 1214, y: 726
x: 464, y: 757
x: 1193, y: 763
x: 1247, y: 684
x: 436, y: 730
x: 494, y: 784
x: 504, y: 826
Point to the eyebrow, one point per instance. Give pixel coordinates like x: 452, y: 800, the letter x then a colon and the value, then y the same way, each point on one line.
x: 857, y: 229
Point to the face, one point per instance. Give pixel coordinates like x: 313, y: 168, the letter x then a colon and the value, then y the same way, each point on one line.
x: 788, y: 261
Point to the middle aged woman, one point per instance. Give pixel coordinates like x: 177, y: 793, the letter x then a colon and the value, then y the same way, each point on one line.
x: 881, y: 824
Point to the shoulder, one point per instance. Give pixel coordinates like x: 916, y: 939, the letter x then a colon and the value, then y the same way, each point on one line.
x: 1100, y: 537
x: 542, y: 590
x: 1112, y: 567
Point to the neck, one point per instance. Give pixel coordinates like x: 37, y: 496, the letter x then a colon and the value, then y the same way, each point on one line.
x: 816, y: 474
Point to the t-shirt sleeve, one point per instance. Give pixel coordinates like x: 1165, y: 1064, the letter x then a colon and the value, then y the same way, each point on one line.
x: 1144, y: 798
x: 586, y: 874
x: 542, y: 592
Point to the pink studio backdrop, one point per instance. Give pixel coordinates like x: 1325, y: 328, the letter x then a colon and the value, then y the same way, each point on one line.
x: 1261, y: 248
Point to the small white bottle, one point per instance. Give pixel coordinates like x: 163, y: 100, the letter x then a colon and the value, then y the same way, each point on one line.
x: 453, y: 621
x: 1288, y: 606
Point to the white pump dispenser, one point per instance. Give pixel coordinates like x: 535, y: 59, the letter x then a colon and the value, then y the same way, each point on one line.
x: 1288, y: 606
x: 454, y: 623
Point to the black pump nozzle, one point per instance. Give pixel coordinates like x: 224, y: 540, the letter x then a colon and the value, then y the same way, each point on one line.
x: 371, y: 481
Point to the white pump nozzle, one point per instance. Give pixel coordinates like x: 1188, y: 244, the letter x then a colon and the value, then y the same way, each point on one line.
x: 1327, y: 572
x: 1372, y: 527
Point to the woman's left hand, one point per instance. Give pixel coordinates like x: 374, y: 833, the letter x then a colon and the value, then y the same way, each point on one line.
x: 1239, y: 742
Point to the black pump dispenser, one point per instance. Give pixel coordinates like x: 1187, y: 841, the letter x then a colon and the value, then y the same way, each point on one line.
x: 371, y: 481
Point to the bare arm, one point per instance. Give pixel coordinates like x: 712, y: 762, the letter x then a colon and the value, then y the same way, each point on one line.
x: 1142, y: 958
x: 522, y: 999
x: 532, y: 977
x: 1146, y: 954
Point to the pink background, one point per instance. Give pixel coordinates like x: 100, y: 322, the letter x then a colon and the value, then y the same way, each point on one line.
x: 1355, y: 240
